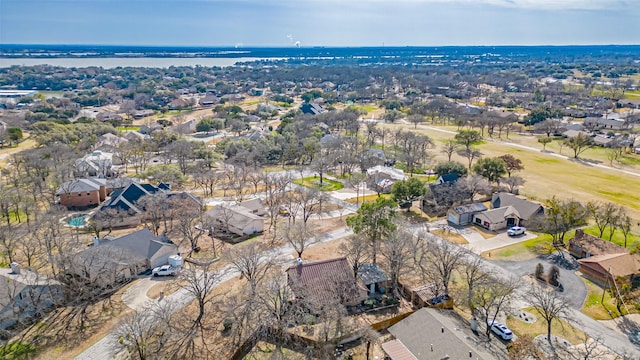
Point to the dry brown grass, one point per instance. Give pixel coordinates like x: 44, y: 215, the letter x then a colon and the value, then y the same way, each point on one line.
x: 450, y: 236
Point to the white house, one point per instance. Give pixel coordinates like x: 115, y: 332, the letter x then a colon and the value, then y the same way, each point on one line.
x: 98, y: 164
x: 236, y: 219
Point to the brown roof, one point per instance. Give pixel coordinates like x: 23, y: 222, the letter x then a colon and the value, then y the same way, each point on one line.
x: 617, y: 264
x: 317, y: 281
x: 396, y: 350
x: 594, y: 245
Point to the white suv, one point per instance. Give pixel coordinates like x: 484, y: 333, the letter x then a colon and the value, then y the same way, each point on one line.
x: 516, y: 230
x: 500, y: 329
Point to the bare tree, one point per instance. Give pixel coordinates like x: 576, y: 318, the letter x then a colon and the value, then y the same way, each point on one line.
x: 299, y: 235
x: 449, y: 148
x: 189, y: 218
x: 438, y: 259
x: 397, y: 250
x: 474, y: 276
x: 250, y: 261
x: 513, y: 183
x: 492, y: 297
x: 550, y: 304
x: 356, y: 250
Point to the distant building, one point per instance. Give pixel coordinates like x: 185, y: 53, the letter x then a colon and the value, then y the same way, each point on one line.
x: 95, y: 164
x: 312, y: 109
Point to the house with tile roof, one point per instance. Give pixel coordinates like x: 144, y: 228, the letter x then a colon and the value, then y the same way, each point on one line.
x: 327, y: 282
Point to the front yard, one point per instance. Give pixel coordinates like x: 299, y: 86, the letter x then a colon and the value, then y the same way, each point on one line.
x: 314, y: 183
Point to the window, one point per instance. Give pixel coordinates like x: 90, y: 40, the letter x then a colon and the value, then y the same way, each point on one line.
x: 88, y: 193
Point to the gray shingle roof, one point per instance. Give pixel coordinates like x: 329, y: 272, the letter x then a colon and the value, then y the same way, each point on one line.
x: 142, y: 243
x: 372, y: 274
x: 81, y: 185
x: 526, y: 209
x: 422, y: 334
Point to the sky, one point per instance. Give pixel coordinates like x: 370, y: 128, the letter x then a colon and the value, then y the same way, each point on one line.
x: 282, y: 23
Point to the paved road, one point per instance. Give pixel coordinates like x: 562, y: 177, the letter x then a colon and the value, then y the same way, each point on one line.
x: 574, y: 288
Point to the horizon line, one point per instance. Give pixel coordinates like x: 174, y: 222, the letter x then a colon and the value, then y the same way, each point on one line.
x: 315, y: 46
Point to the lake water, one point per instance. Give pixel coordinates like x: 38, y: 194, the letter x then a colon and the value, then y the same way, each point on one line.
x: 113, y: 62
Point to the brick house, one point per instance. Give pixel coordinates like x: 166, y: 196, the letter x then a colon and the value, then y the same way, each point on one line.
x: 584, y: 245
x: 82, y: 193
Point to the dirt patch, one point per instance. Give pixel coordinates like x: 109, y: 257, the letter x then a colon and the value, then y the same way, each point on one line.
x: 324, y: 251
x: 450, y: 236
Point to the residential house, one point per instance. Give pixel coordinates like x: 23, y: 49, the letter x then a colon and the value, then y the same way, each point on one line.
x: 82, y: 193
x: 312, y: 109
x: 112, y: 260
x: 25, y: 294
x: 255, y: 206
x: 232, y: 98
x: 605, y: 269
x: 110, y: 141
x: 108, y: 116
x: 382, y: 177
x: 97, y: 163
x: 583, y: 245
x: 463, y: 214
x: 139, y: 114
x: 376, y: 280
x: 430, y: 334
x: 209, y: 100
x: 124, y: 208
x: 572, y: 133
x: 507, y: 210
x: 236, y: 218
x: 178, y: 104
x: 629, y: 103
x: 446, y: 178
x: 603, y: 123
x: 328, y: 282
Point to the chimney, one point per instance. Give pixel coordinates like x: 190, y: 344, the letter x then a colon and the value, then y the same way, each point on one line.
x: 579, y: 232
x: 15, y: 268
x: 96, y: 241
x: 442, y: 330
x: 299, y: 261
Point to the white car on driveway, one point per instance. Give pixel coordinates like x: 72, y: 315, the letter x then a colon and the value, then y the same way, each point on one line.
x: 500, y: 329
x: 516, y: 230
x: 165, y: 270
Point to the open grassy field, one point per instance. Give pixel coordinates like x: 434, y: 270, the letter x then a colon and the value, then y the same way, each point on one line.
x: 618, y: 236
x: 546, y: 175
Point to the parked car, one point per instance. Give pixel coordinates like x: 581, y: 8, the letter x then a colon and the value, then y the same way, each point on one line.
x: 516, y: 230
x: 165, y: 270
x: 500, y: 329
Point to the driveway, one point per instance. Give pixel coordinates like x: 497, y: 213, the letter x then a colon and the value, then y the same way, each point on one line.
x: 574, y: 288
x: 480, y: 245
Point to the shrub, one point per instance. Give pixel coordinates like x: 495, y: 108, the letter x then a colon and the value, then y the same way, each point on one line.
x: 539, y: 271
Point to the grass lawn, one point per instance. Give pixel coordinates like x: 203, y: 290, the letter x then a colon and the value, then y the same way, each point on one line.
x: 367, y: 108
x: 545, y: 174
x: 618, y: 236
x: 525, y: 250
x: 593, y: 305
x: 559, y: 328
x: 314, y: 182
x: 368, y: 198
x: 128, y: 128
